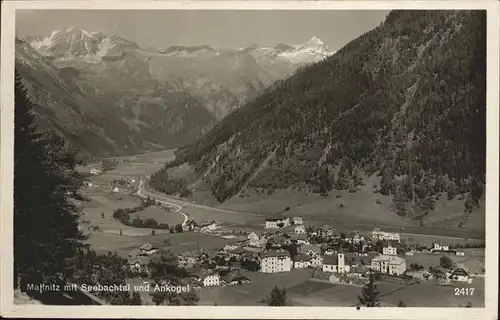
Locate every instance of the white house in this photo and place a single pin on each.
(355, 239)
(302, 261)
(276, 223)
(329, 252)
(210, 280)
(440, 247)
(313, 251)
(460, 275)
(275, 261)
(256, 241)
(148, 248)
(138, 264)
(299, 238)
(460, 253)
(325, 231)
(392, 265)
(300, 229)
(230, 246)
(382, 235)
(297, 221)
(115, 189)
(335, 263)
(95, 172)
(187, 259)
(208, 227)
(390, 251)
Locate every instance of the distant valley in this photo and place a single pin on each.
(108, 96)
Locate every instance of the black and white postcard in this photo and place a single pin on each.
(253, 159)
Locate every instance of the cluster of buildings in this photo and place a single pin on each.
(340, 257)
(138, 259)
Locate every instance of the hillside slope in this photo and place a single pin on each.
(124, 120)
(404, 102)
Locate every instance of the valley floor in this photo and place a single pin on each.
(239, 218)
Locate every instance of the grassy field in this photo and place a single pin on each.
(429, 294)
(349, 209)
(251, 294)
(427, 240)
(172, 217)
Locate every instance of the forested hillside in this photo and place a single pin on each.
(405, 101)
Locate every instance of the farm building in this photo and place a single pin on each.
(382, 235)
(95, 172)
(390, 251)
(438, 272)
(138, 264)
(358, 272)
(297, 221)
(300, 229)
(440, 247)
(392, 265)
(302, 261)
(299, 239)
(205, 277)
(276, 241)
(149, 248)
(355, 239)
(187, 259)
(256, 241)
(329, 252)
(275, 261)
(325, 231)
(460, 275)
(230, 246)
(276, 223)
(232, 277)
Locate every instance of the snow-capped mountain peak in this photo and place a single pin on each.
(75, 42)
(316, 45)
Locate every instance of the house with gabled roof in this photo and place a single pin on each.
(232, 277)
(299, 239)
(460, 275)
(149, 248)
(302, 261)
(204, 277)
(275, 261)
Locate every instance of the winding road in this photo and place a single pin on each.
(143, 193)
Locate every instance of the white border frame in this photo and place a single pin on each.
(8, 309)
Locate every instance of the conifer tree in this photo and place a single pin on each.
(276, 298)
(369, 293)
(46, 234)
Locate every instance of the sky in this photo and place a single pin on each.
(216, 28)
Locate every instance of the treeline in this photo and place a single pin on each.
(405, 100)
(48, 246)
(163, 182)
(165, 269)
(123, 215)
(92, 269)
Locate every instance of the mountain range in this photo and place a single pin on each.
(108, 96)
(397, 115)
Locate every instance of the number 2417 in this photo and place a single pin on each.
(464, 291)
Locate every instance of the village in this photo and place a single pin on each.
(287, 245)
(287, 251)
